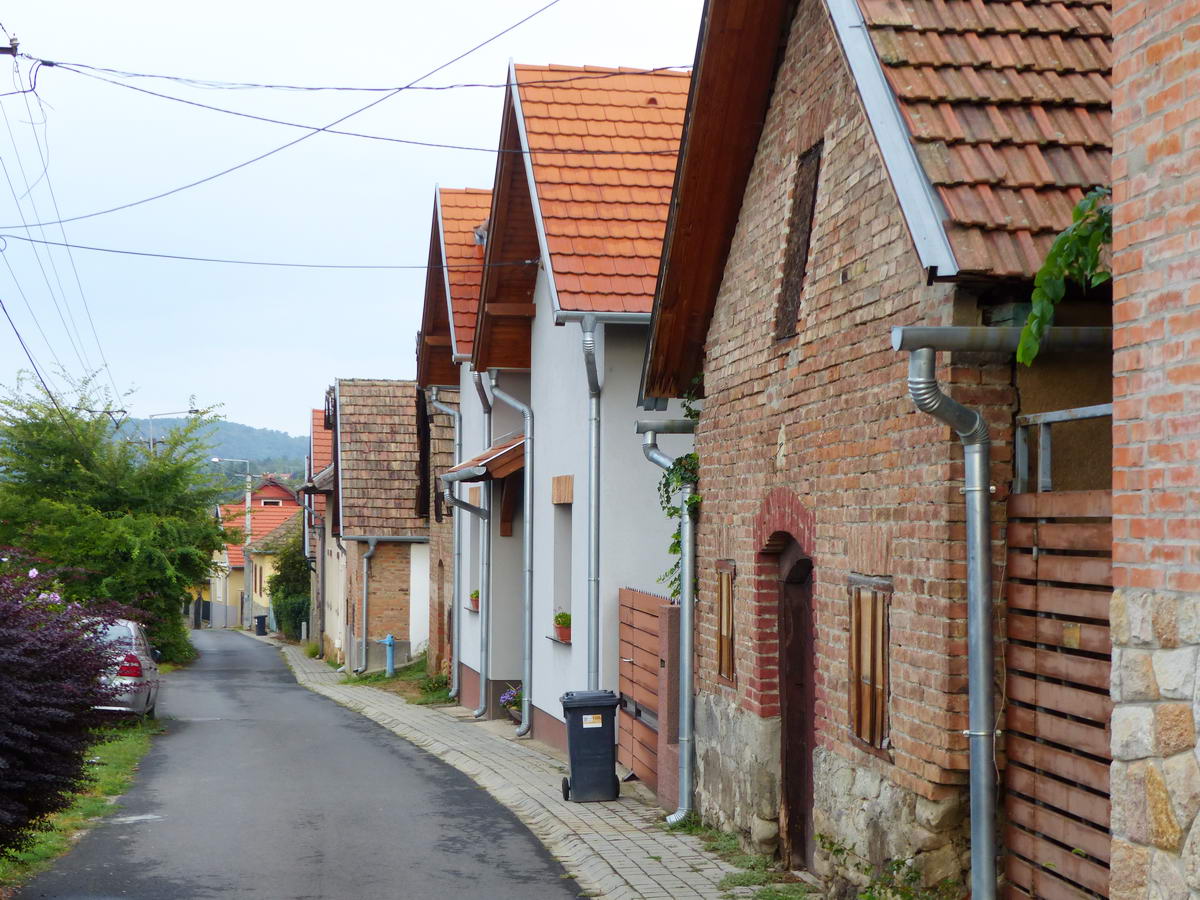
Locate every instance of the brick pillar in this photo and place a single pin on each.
(1156, 448)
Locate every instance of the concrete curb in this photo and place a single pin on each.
(614, 850)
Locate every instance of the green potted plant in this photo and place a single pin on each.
(562, 626)
(473, 600)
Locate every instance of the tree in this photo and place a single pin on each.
(51, 659)
(136, 528)
(289, 586)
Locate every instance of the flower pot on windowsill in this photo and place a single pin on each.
(562, 633)
(473, 603)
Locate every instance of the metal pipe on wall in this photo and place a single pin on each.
(485, 557)
(456, 617)
(687, 598)
(527, 532)
(587, 327)
(366, 580)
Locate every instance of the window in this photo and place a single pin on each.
(795, 260)
(562, 557)
(870, 600)
(725, 629)
(271, 502)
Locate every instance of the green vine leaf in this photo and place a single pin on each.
(1076, 255)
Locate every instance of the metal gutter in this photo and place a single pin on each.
(922, 208)
(687, 601)
(526, 412)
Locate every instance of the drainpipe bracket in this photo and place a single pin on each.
(968, 733)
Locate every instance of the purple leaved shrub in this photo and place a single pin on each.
(51, 660)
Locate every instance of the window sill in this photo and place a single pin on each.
(471, 609)
(555, 640)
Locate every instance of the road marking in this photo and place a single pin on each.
(129, 820)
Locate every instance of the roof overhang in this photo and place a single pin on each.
(435, 341)
(497, 462)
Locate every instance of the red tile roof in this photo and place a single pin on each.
(463, 210)
(263, 520)
(604, 212)
(1009, 106)
(320, 444)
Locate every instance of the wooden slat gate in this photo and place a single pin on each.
(1059, 577)
(637, 747)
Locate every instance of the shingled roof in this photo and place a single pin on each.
(463, 211)
(377, 457)
(604, 212)
(1008, 104)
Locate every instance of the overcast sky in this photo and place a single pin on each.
(264, 342)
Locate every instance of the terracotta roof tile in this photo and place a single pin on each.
(263, 520)
(377, 472)
(320, 442)
(1009, 105)
(604, 212)
(463, 210)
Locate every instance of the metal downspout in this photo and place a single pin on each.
(366, 585)
(527, 533)
(981, 714)
(687, 598)
(485, 557)
(923, 344)
(588, 332)
(456, 623)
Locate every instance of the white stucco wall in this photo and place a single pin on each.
(418, 598)
(334, 591)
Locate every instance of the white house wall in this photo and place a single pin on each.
(334, 592)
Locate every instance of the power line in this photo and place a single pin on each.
(356, 134)
(252, 85)
(303, 137)
(256, 262)
(32, 314)
(44, 155)
(38, 373)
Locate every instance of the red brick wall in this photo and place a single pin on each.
(388, 597)
(1156, 445)
(441, 540)
(815, 435)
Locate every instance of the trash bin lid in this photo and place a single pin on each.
(574, 699)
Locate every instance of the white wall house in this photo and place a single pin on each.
(569, 235)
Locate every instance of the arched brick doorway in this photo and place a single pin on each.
(785, 661)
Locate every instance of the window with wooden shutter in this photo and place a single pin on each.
(725, 630)
(870, 600)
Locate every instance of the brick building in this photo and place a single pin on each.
(848, 168)
(1156, 480)
(376, 560)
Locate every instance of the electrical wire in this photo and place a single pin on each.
(303, 137)
(38, 373)
(44, 155)
(358, 134)
(258, 262)
(251, 85)
(32, 314)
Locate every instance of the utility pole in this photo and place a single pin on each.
(152, 417)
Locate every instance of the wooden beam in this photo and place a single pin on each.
(562, 489)
(508, 505)
(511, 310)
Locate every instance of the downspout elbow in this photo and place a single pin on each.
(651, 451)
(588, 328)
(929, 398)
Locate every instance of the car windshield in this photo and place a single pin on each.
(119, 634)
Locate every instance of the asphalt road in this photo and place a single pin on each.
(260, 788)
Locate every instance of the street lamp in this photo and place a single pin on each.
(178, 412)
(246, 542)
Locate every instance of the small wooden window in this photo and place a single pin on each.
(272, 502)
(725, 629)
(870, 601)
(795, 260)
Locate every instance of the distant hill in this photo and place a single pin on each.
(268, 450)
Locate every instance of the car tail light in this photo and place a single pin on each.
(131, 667)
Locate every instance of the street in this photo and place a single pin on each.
(260, 788)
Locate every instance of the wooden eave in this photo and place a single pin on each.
(504, 327)
(435, 363)
(736, 59)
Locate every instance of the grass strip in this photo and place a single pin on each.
(116, 752)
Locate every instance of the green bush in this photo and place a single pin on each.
(290, 610)
(312, 650)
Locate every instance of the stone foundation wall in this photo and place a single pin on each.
(1155, 778)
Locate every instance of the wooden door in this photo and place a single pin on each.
(797, 694)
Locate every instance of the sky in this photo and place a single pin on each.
(260, 344)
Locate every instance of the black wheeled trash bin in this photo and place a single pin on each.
(591, 746)
(260, 624)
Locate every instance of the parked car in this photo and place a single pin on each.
(135, 668)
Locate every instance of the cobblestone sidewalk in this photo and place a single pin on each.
(615, 850)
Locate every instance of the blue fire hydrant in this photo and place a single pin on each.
(390, 643)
